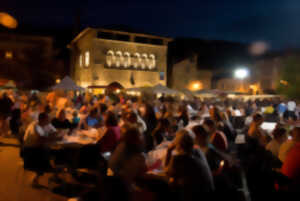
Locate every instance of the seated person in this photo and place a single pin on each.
(92, 120)
(35, 153)
(61, 122)
(279, 137)
(291, 165)
(255, 130)
(112, 133)
(217, 138)
(128, 160)
(187, 169)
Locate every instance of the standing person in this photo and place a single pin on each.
(5, 111)
(148, 115)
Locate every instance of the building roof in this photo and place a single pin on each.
(117, 30)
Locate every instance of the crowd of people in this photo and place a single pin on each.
(161, 149)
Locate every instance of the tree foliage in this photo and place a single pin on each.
(289, 82)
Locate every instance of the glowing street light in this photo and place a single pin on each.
(241, 73)
(8, 21)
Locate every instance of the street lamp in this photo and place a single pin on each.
(8, 21)
(241, 74)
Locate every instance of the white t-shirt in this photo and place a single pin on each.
(34, 131)
(291, 106)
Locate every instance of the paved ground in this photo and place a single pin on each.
(14, 182)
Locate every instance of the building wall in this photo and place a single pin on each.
(99, 72)
(186, 73)
(267, 72)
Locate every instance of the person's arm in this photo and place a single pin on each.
(169, 154)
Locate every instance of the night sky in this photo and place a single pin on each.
(276, 22)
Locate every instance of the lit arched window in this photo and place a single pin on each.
(87, 58)
(80, 60)
(144, 61)
(110, 58)
(137, 60)
(152, 61)
(119, 58)
(127, 60)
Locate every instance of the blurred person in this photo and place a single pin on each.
(288, 144)
(161, 132)
(291, 164)
(183, 115)
(60, 121)
(217, 138)
(148, 115)
(35, 152)
(187, 169)
(112, 133)
(93, 120)
(128, 160)
(279, 137)
(255, 131)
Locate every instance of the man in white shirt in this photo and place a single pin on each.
(38, 132)
(35, 153)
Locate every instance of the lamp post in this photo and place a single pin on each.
(241, 74)
(8, 21)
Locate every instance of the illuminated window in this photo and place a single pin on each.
(136, 60)
(110, 58)
(119, 58)
(8, 55)
(144, 61)
(87, 58)
(152, 62)
(127, 60)
(80, 60)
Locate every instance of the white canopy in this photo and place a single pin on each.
(164, 90)
(67, 84)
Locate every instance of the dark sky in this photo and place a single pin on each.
(277, 22)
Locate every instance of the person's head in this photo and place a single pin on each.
(258, 119)
(61, 115)
(184, 142)
(103, 108)
(296, 134)
(43, 119)
(280, 135)
(215, 114)
(210, 125)
(75, 114)
(93, 113)
(163, 124)
(133, 138)
(110, 119)
(47, 109)
(131, 117)
(202, 136)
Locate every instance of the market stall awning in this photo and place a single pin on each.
(67, 84)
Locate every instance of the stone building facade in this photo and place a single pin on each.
(186, 74)
(100, 57)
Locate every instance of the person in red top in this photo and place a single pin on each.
(112, 133)
(217, 138)
(291, 165)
